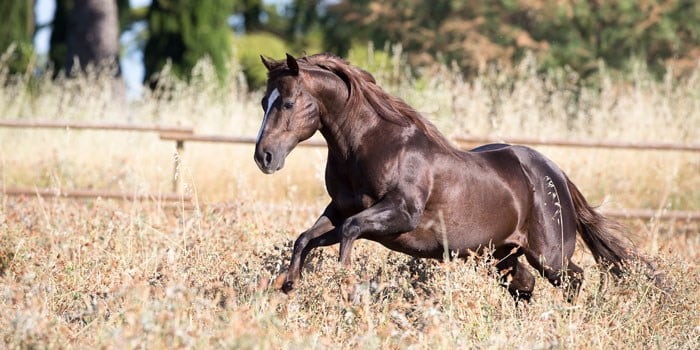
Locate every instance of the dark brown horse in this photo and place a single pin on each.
(394, 179)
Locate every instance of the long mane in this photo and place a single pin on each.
(365, 91)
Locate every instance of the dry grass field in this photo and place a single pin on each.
(101, 273)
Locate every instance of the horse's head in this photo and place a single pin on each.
(291, 114)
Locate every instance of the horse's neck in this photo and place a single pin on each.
(342, 126)
(350, 131)
(346, 126)
(342, 135)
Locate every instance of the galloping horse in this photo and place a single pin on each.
(394, 179)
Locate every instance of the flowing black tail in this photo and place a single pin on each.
(605, 238)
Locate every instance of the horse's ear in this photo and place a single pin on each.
(292, 64)
(268, 62)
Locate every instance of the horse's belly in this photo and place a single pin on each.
(461, 234)
(419, 243)
(471, 230)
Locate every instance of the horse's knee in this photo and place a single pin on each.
(301, 242)
(350, 229)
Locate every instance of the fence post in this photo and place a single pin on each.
(179, 150)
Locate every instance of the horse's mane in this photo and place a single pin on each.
(363, 86)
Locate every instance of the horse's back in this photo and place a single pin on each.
(489, 147)
(532, 162)
(536, 167)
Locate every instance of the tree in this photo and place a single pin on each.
(304, 18)
(560, 33)
(657, 32)
(85, 32)
(251, 10)
(58, 51)
(454, 30)
(185, 31)
(94, 34)
(17, 28)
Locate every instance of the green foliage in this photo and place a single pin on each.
(185, 31)
(560, 33)
(571, 35)
(17, 28)
(579, 33)
(248, 49)
(251, 10)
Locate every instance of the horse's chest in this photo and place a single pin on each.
(354, 190)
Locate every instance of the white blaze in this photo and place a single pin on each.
(270, 101)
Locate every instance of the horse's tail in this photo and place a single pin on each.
(604, 239)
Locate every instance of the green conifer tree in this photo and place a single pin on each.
(185, 31)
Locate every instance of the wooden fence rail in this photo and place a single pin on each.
(679, 215)
(84, 193)
(227, 139)
(658, 146)
(82, 125)
(180, 139)
(470, 140)
(181, 135)
(79, 125)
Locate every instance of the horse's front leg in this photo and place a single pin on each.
(397, 212)
(322, 233)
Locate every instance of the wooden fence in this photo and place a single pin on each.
(467, 141)
(78, 125)
(180, 135)
(87, 193)
(90, 193)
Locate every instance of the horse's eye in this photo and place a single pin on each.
(288, 105)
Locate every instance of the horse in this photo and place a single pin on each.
(393, 178)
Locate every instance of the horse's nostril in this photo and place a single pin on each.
(268, 159)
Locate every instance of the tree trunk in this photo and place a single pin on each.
(93, 35)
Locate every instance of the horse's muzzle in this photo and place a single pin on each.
(269, 161)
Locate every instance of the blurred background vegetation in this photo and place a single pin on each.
(578, 36)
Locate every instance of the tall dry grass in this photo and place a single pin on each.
(99, 273)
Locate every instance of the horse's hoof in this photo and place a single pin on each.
(287, 287)
(523, 296)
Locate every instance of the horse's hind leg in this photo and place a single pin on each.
(513, 275)
(560, 273)
(549, 251)
(552, 234)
